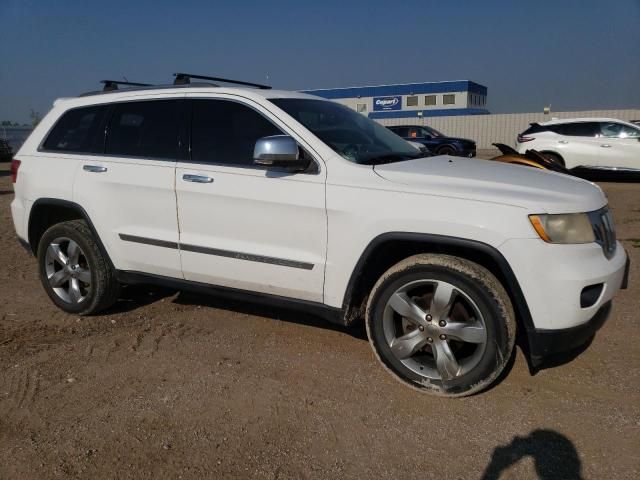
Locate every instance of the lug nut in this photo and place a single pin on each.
(443, 337)
(442, 323)
(428, 318)
(429, 339)
(421, 328)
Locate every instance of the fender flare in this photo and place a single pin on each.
(512, 286)
(56, 202)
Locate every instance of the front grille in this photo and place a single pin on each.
(604, 230)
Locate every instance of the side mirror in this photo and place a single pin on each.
(277, 151)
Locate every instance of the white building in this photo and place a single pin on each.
(407, 100)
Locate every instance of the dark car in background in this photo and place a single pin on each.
(436, 142)
(6, 153)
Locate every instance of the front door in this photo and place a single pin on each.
(619, 146)
(242, 226)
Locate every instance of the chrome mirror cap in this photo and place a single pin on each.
(275, 150)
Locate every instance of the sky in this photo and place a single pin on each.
(570, 54)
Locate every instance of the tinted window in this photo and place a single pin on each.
(618, 130)
(448, 99)
(430, 100)
(578, 129)
(402, 131)
(145, 129)
(78, 130)
(534, 128)
(226, 132)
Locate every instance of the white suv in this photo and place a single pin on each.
(586, 143)
(287, 198)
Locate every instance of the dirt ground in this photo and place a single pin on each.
(177, 385)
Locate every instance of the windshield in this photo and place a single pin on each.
(433, 132)
(348, 133)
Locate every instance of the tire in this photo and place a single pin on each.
(554, 157)
(446, 150)
(468, 306)
(86, 283)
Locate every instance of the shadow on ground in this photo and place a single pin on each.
(283, 313)
(136, 296)
(554, 456)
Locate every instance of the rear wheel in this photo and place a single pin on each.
(73, 271)
(441, 324)
(554, 157)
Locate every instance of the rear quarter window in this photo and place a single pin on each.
(78, 130)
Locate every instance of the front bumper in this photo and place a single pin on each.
(546, 343)
(567, 325)
(553, 278)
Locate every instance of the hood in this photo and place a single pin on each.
(539, 191)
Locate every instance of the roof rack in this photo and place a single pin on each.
(185, 78)
(110, 85)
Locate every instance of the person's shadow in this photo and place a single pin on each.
(554, 455)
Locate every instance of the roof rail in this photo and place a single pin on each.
(110, 85)
(185, 78)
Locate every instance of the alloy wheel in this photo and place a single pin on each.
(435, 329)
(67, 270)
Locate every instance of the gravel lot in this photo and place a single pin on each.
(177, 385)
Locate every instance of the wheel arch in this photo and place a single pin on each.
(46, 212)
(556, 154)
(451, 146)
(388, 249)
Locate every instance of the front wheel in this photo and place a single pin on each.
(441, 324)
(73, 271)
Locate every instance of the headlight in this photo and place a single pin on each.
(564, 228)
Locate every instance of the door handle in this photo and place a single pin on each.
(563, 142)
(196, 178)
(94, 168)
(605, 145)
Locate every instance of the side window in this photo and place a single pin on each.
(402, 131)
(578, 129)
(145, 129)
(79, 131)
(430, 100)
(226, 132)
(448, 99)
(618, 130)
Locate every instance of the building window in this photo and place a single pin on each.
(430, 100)
(361, 108)
(448, 99)
(412, 101)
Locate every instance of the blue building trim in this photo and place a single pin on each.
(400, 89)
(444, 112)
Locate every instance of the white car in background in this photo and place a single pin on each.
(591, 143)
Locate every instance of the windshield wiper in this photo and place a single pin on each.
(390, 158)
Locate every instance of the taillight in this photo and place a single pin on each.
(15, 165)
(522, 138)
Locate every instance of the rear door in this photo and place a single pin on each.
(128, 188)
(242, 226)
(620, 146)
(578, 143)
